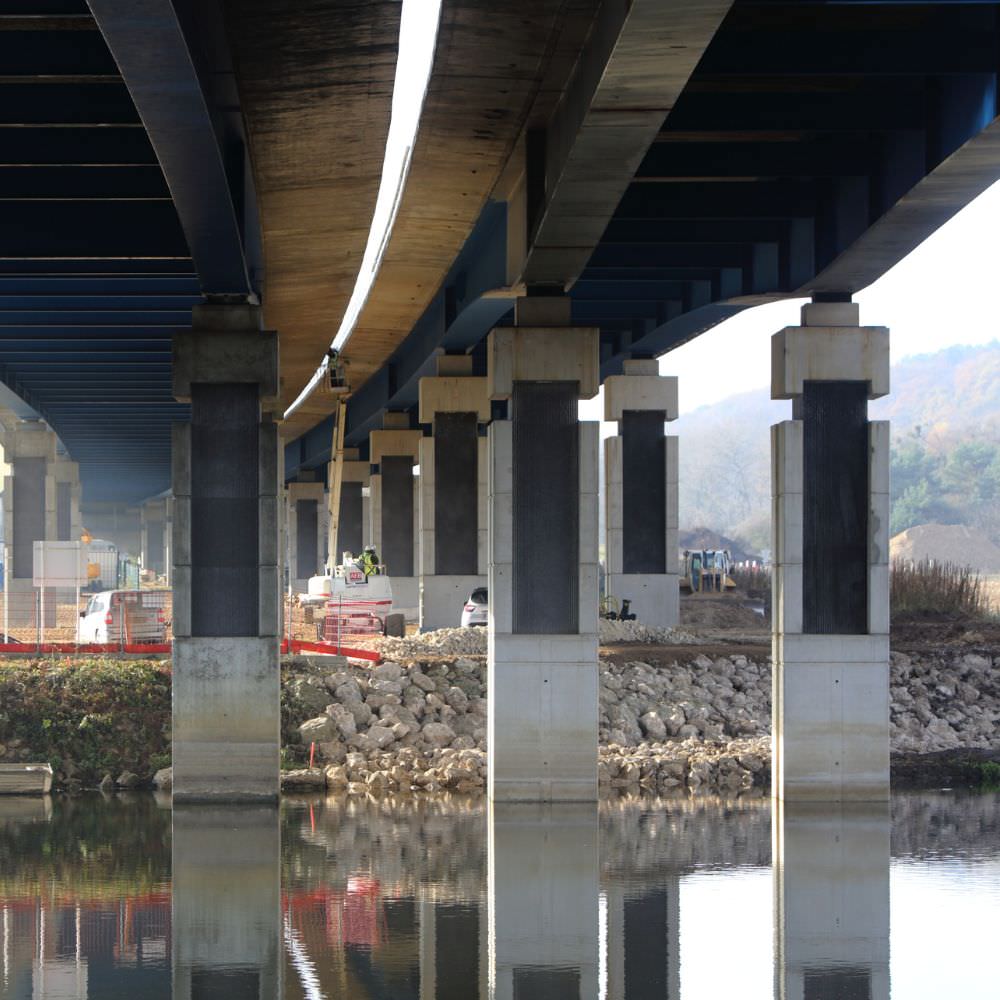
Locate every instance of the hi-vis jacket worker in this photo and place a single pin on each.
(369, 562)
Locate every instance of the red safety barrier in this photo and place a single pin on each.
(302, 646)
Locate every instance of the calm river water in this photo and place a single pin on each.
(442, 899)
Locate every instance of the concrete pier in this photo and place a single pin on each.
(542, 666)
(154, 539)
(69, 523)
(354, 530)
(226, 588)
(452, 491)
(831, 900)
(640, 470)
(830, 471)
(307, 516)
(31, 513)
(394, 451)
(226, 913)
(543, 901)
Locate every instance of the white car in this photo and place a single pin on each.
(476, 610)
(124, 615)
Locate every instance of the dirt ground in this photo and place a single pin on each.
(728, 612)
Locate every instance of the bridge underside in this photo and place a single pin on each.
(577, 205)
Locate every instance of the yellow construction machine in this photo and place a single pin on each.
(706, 571)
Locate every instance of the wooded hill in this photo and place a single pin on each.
(945, 411)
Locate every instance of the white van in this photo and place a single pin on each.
(124, 616)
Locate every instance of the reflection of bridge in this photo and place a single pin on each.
(591, 185)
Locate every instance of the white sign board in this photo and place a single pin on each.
(59, 564)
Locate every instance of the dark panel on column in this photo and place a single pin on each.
(546, 462)
(397, 514)
(306, 538)
(542, 983)
(835, 508)
(154, 545)
(224, 516)
(849, 983)
(456, 494)
(644, 492)
(646, 952)
(456, 962)
(234, 984)
(350, 537)
(64, 512)
(29, 513)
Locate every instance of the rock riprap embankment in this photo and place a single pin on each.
(694, 722)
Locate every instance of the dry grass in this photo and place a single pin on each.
(992, 586)
(928, 588)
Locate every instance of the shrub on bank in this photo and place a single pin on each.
(86, 717)
(928, 588)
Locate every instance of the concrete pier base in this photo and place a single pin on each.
(226, 730)
(442, 599)
(542, 718)
(654, 598)
(831, 900)
(543, 902)
(226, 915)
(406, 596)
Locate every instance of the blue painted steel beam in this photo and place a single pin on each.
(154, 59)
(106, 267)
(98, 181)
(58, 145)
(67, 104)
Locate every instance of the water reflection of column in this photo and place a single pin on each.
(226, 903)
(831, 902)
(543, 902)
(642, 932)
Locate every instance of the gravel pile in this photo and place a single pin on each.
(472, 641)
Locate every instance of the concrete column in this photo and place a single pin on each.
(640, 470)
(30, 514)
(226, 913)
(830, 472)
(453, 491)
(831, 900)
(154, 542)
(69, 524)
(227, 614)
(394, 451)
(354, 529)
(307, 525)
(543, 901)
(542, 666)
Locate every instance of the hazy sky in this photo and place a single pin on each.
(941, 294)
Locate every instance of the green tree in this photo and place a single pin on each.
(972, 472)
